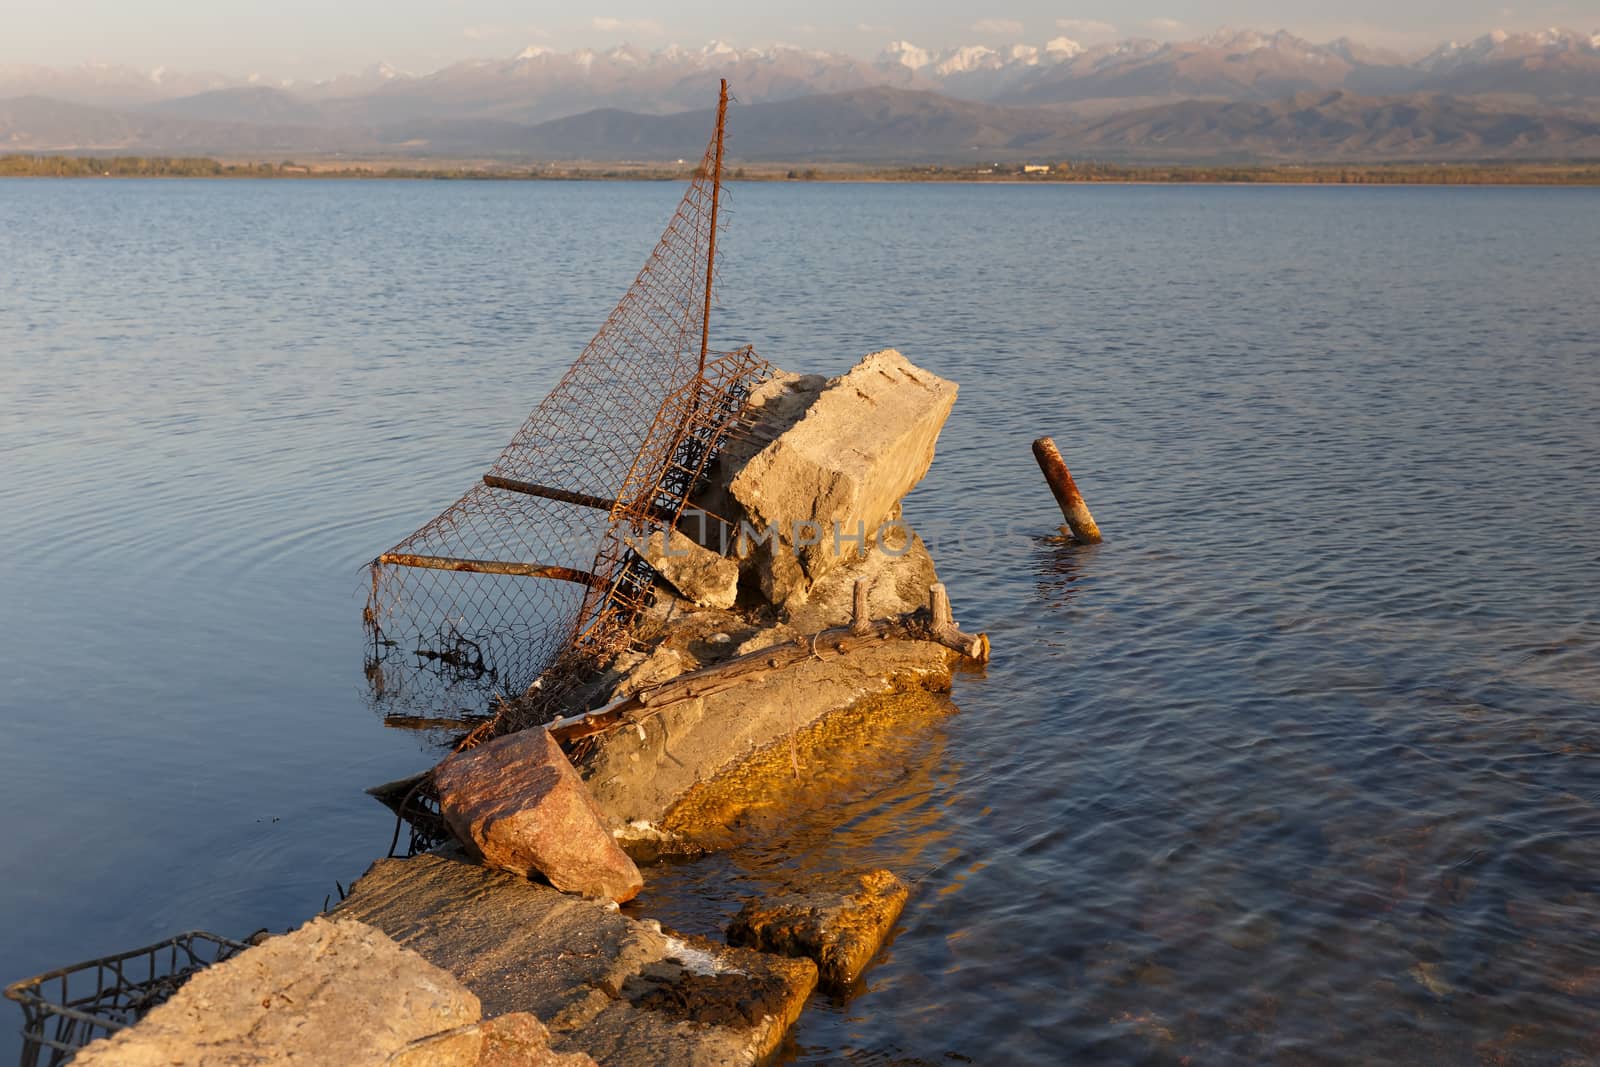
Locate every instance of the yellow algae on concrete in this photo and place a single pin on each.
(838, 755)
(841, 931)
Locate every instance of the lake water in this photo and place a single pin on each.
(1301, 766)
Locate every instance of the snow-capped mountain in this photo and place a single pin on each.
(490, 98)
(1552, 64)
(1499, 45)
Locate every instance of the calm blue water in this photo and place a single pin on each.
(1301, 766)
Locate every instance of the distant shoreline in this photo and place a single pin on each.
(1075, 173)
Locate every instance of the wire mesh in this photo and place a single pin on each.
(533, 562)
(66, 1009)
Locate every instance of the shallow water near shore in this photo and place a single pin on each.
(1301, 766)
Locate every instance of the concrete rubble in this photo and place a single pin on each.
(707, 578)
(520, 805)
(330, 992)
(837, 454)
(828, 482)
(466, 957)
(841, 930)
(639, 774)
(615, 988)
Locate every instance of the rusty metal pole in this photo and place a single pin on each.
(711, 254)
(1080, 523)
(490, 566)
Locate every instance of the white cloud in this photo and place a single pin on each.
(1164, 25)
(608, 24)
(1004, 27)
(1086, 29)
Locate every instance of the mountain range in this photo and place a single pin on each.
(1234, 94)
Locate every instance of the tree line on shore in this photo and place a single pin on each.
(1568, 173)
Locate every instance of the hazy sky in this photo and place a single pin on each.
(317, 38)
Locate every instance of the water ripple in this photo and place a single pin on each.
(1301, 766)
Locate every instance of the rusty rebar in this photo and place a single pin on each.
(489, 566)
(548, 492)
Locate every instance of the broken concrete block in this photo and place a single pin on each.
(520, 804)
(773, 568)
(699, 574)
(333, 991)
(841, 931)
(622, 991)
(772, 408)
(864, 441)
(702, 1003)
(515, 1040)
(641, 773)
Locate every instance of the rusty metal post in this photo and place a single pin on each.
(489, 566)
(1080, 523)
(711, 254)
(549, 492)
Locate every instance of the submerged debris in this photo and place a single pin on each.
(840, 930)
(621, 990)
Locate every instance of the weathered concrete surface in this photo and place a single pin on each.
(772, 408)
(638, 670)
(882, 742)
(705, 577)
(900, 572)
(840, 929)
(515, 1040)
(619, 990)
(703, 1004)
(864, 441)
(333, 991)
(638, 774)
(520, 804)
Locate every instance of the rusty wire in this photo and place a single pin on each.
(65, 1009)
(531, 565)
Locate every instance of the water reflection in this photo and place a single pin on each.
(1059, 563)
